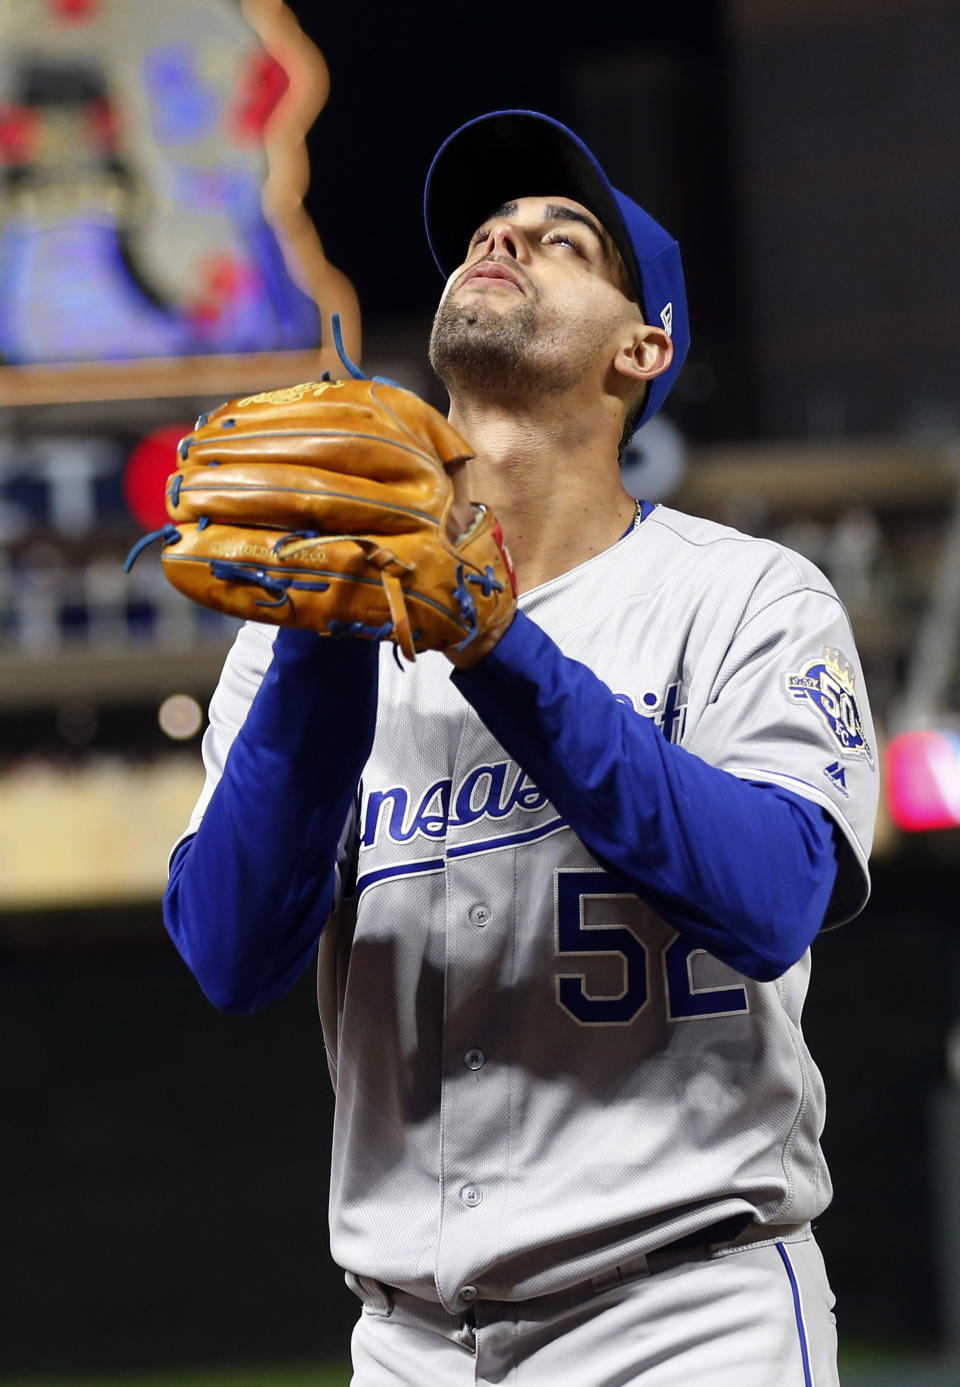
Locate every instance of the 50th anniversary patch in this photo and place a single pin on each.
(827, 685)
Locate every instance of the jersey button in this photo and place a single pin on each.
(468, 1292)
(479, 915)
(470, 1195)
(474, 1059)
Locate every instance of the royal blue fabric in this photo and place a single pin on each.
(249, 893)
(744, 870)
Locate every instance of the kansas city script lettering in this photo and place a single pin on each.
(483, 794)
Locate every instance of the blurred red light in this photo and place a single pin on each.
(146, 473)
(923, 780)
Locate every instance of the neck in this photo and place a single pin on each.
(551, 477)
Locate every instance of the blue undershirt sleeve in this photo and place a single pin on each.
(744, 870)
(250, 892)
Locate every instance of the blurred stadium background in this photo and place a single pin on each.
(162, 1167)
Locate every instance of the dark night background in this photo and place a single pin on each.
(164, 1192)
(804, 154)
(420, 72)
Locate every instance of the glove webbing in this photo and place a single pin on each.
(391, 568)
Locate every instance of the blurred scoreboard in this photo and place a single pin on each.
(155, 259)
(151, 174)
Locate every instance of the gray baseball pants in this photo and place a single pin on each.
(759, 1316)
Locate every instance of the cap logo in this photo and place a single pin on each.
(666, 317)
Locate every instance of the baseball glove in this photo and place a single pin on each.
(329, 506)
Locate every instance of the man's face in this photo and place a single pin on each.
(535, 302)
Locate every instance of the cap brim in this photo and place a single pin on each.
(506, 155)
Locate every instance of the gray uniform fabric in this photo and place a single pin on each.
(507, 1126)
(762, 1317)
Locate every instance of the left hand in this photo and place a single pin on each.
(342, 507)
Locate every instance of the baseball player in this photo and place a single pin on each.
(564, 883)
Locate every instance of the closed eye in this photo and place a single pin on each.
(563, 238)
(552, 238)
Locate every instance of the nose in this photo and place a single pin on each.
(505, 237)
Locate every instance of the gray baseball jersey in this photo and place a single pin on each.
(536, 1078)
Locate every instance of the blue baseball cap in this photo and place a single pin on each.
(509, 154)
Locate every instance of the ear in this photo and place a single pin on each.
(644, 354)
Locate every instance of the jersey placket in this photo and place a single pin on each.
(475, 1079)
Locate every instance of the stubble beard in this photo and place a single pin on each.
(480, 352)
